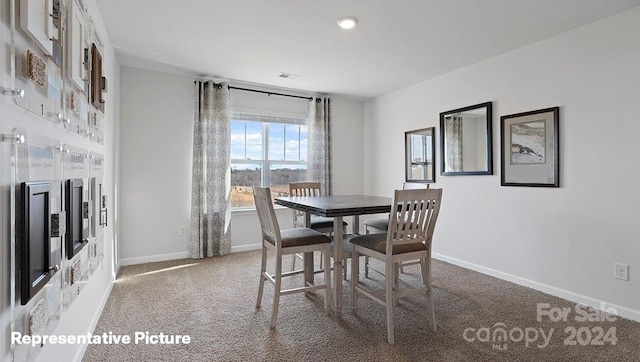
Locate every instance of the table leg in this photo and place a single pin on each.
(337, 264)
(356, 224)
(308, 257)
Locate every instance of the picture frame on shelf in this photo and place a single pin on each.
(529, 148)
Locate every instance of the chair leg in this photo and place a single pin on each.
(355, 275)
(366, 266)
(276, 292)
(293, 261)
(344, 270)
(327, 280)
(366, 257)
(426, 279)
(396, 276)
(389, 281)
(263, 269)
(396, 281)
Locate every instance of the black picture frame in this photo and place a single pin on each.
(76, 234)
(35, 240)
(529, 148)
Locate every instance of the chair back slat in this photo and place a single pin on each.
(304, 189)
(416, 216)
(299, 189)
(267, 215)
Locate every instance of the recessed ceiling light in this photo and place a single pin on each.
(348, 22)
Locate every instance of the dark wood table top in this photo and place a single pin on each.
(337, 205)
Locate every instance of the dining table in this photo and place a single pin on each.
(336, 207)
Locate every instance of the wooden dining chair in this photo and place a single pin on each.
(381, 225)
(318, 223)
(286, 242)
(408, 237)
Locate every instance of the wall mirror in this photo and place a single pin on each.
(419, 155)
(465, 141)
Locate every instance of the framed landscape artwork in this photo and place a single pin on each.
(529, 148)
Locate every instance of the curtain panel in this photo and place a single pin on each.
(211, 172)
(453, 146)
(319, 167)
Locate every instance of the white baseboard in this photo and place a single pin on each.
(180, 255)
(153, 258)
(561, 293)
(94, 321)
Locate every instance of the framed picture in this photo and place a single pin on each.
(96, 78)
(529, 148)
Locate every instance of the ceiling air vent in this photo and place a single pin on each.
(290, 76)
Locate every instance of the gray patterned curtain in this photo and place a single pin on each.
(320, 143)
(211, 175)
(453, 146)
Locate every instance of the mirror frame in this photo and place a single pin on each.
(489, 121)
(431, 176)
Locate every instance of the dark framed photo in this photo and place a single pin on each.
(529, 148)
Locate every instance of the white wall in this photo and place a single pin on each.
(348, 146)
(155, 169)
(156, 141)
(86, 309)
(563, 241)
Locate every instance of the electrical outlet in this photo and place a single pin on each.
(621, 271)
(182, 231)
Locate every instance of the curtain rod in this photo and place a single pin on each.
(270, 93)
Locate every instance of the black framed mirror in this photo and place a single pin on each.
(419, 156)
(466, 141)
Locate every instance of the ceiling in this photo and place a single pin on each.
(396, 43)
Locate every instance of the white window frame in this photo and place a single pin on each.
(267, 120)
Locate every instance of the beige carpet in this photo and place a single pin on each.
(213, 302)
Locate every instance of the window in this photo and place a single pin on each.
(266, 151)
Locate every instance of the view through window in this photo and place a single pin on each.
(266, 151)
